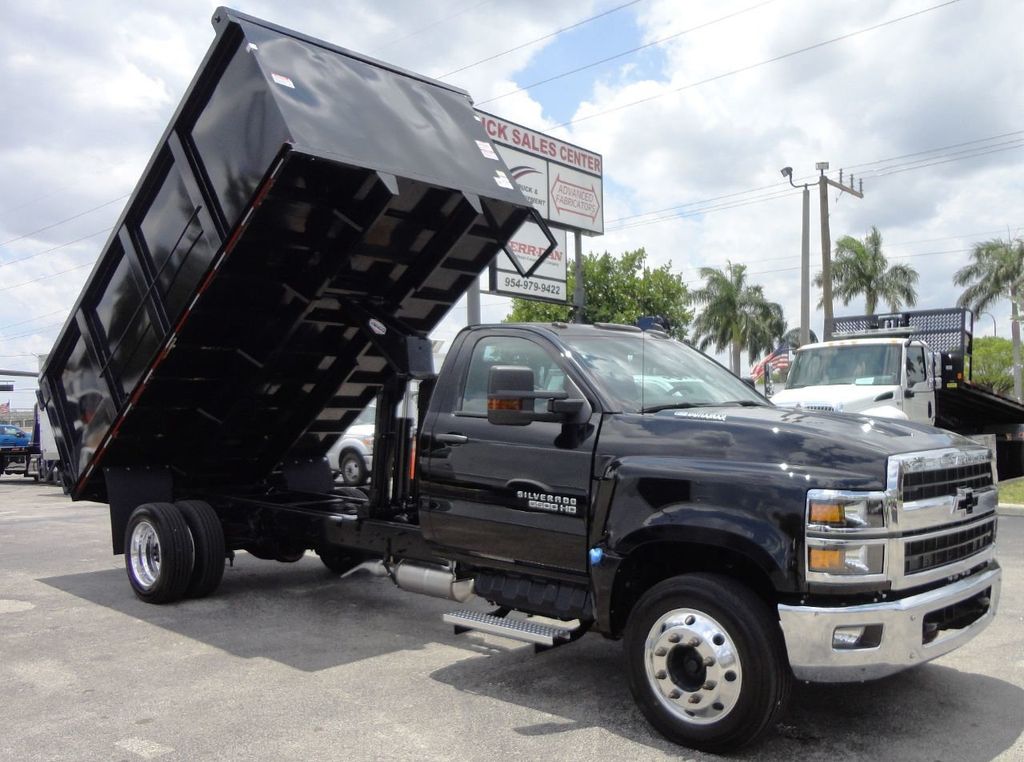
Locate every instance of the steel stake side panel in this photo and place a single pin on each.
(299, 191)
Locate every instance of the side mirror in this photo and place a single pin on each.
(511, 399)
(908, 393)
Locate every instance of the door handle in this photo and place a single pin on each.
(451, 438)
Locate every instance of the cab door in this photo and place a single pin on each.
(510, 493)
(919, 403)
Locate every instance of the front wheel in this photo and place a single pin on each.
(706, 662)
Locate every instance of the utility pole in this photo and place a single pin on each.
(805, 262)
(826, 234)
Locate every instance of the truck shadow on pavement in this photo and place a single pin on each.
(297, 614)
(302, 616)
(929, 713)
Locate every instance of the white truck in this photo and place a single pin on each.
(910, 366)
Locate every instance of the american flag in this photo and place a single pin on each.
(5, 409)
(779, 360)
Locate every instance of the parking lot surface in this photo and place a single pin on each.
(286, 661)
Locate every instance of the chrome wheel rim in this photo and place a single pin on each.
(145, 554)
(693, 667)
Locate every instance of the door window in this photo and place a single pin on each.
(916, 369)
(510, 350)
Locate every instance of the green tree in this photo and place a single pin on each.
(996, 271)
(618, 290)
(859, 268)
(735, 316)
(992, 363)
(792, 337)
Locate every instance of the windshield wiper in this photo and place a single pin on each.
(683, 405)
(673, 406)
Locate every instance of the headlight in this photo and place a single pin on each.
(846, 558)
(367, 443)
(831, 510)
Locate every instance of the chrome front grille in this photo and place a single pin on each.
(935, 551)
(921, 485)
(942, 511)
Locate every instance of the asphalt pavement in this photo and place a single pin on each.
(286, 661)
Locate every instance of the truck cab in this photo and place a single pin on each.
(884, 377)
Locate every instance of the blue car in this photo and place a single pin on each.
(12, 436)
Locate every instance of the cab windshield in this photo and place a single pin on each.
(649, 372)
(860, 364)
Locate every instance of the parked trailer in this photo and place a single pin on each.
(308, 217)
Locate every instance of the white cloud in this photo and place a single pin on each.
(90, 87)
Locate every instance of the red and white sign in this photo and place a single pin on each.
(574, 198)
(548, 283)
(572, 195)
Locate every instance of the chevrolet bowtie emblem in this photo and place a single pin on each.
(966, 500)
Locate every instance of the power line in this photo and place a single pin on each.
(56, 248)
(34, 331)
(624, 53)
(947, 161)
(29, 320)
(430, 26)
(703, 206)
(46, 277)
(752, 66)
(540, 39)
(66, 219)
(812, 176)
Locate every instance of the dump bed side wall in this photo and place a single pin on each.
(224, 322)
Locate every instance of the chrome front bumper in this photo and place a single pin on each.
(809, 632)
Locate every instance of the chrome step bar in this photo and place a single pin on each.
(523, 630)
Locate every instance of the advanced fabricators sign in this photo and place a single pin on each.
(563, 181)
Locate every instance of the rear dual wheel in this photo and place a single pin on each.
(174, 550)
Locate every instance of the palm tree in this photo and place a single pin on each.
(996, 271)
(860, 268)
(792, 337)
(735, 315)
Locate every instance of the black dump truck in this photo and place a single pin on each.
(307, 218)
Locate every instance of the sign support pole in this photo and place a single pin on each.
(473, 303)
(578, 296)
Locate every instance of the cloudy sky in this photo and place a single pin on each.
(695, 106)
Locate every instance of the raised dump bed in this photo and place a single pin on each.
(301, 194)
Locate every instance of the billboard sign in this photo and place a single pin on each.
(563, 181)
(565, 185)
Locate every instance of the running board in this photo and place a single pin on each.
(544, 635)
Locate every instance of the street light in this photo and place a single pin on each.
(994, 333)
(805, 261)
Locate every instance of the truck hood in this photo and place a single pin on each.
(828, 450)
(840, 397)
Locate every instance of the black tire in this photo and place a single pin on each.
(352, 466)
(340, 561)
(210, 549)
(158, 552)
(738, 696)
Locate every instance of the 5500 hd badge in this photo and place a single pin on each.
(542, 501)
